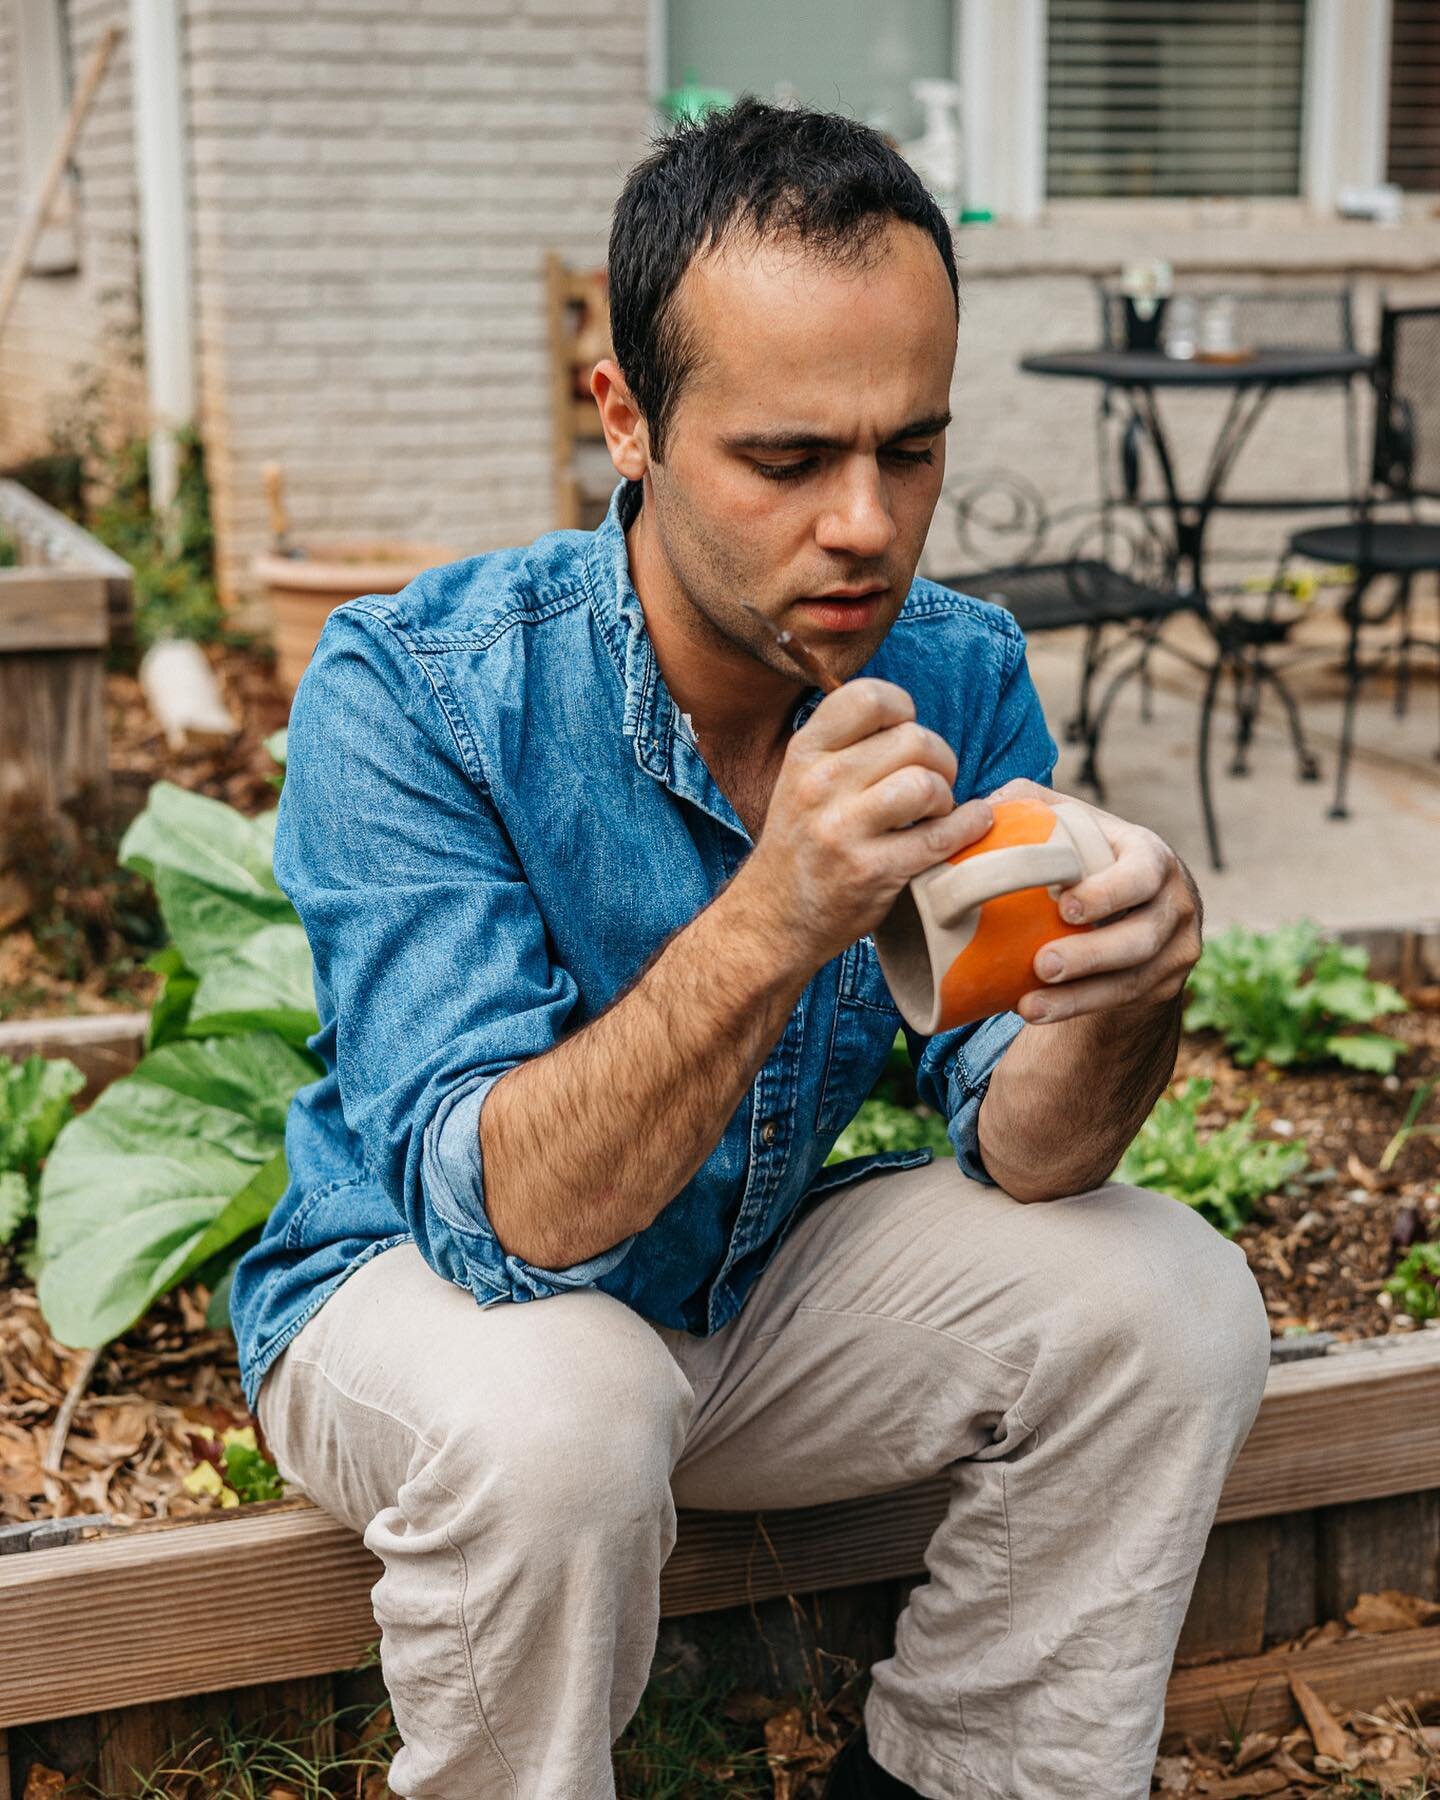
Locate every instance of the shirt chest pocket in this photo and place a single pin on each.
(866, 1020)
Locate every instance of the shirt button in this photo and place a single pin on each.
(769, 1131)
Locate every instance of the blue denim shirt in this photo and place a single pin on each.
(493, 816)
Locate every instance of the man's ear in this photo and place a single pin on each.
(626, 435)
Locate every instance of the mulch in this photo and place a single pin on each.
(1322, 1250)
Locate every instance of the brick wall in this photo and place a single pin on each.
(76, 332)
(374, 187)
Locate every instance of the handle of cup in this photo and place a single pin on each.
(967, 885)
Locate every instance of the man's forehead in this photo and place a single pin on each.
(791, 328)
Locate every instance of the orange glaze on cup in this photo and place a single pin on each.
(997, 967)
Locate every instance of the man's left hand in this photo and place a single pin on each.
(1143, 956)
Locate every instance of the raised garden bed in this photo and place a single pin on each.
(1336, 1493)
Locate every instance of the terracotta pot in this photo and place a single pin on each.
(304, 590)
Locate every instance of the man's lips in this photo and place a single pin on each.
(843, 611)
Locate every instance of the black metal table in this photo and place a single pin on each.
(1250, 379)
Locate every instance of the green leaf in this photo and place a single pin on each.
(1368, 1050)
(203, 838)
(244, 962)
(34, 1103)
(15, 1203)
(217, 1313)
(278, 745)
(881, 1125)
(1283, 996)
(170, 1011)
(1221, 1173)
(140, 1183)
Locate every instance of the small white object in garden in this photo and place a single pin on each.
(1282, 1128)
(183, 694)
(1309, 1221)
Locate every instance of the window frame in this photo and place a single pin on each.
(1001, 53)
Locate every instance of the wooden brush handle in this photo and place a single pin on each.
(274, 498)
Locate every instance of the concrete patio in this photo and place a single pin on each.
(1284, 858)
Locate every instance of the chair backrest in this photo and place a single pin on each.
(1265, 318)
(578, 315)
(1407, 404)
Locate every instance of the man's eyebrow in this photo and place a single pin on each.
(811, 440)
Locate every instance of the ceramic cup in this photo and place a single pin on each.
(960, 942)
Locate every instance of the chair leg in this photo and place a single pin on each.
(1077, 726)
(1354, 674)
(1307, 767)
(1247, 709)
(1207, 799)
(1090, 767)
(1402, 671)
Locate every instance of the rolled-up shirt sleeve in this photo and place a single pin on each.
(953, 1068)
(432, 962)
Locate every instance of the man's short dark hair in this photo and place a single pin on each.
(815, 178)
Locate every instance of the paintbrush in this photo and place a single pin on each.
(803, 657)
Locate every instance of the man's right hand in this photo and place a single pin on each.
(863, 802)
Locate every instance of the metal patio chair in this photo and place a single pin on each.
(1404, 470)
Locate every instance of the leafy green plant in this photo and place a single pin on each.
(35, 1101)
(1221, 1173)
(1291, 996)
(882, 1125)
(1409, 1128)
(1414, 1282)
(233, 1468)
(173, 558)
(182, 1160)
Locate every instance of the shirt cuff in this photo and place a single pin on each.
(969, 1080)
(453, 1174)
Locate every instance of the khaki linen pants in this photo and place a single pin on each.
(1085, 1370)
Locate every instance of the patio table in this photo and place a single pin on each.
(1251, 379)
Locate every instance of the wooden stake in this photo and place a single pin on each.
(34, 222)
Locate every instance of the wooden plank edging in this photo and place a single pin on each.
(1356, 1672)
(97, 1624)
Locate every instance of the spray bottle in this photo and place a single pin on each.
(937, 156)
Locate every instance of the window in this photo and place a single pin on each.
(1413, 158)
(847, 56)
(42, 98)
(1174, 98)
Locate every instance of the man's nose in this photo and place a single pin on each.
(857, 519)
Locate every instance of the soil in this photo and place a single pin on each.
(1322, 1250)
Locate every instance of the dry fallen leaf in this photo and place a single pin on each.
(1392, 1611)
(1254, 1748)
(1245, 1787)
(1328, 1734)
(1172, 1773)
(44, 1784)
(1287, 1765)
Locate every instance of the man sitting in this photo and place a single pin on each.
(588, 872)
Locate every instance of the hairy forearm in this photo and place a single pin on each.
(1066, 1099)
(584, 1145)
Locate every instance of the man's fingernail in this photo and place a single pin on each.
(1050, 966)
(1039, 1012)
(1071, 911)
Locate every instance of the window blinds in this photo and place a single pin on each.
(1414, 148)
(1174, 97)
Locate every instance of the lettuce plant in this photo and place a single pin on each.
(182, 1158)
(35, 1101)
(1291, 996)
(1414, 1282)
(1221, 1173)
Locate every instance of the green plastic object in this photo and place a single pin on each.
(977, 215)
(691, 101)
